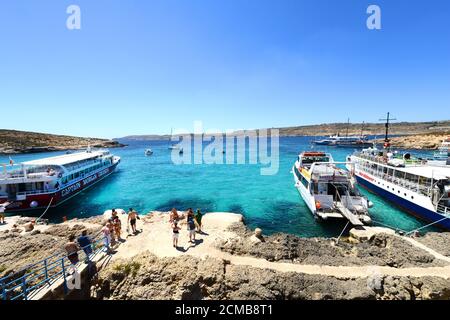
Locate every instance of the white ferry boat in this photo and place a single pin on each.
(442, 156)
(329, 191)
(418, 186)
(51, 181)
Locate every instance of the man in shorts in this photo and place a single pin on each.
(2, 212)
(72, 250)
(132, 216)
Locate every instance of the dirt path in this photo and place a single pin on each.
(156, 237)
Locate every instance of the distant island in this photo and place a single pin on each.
(15, 142)
(413, 135)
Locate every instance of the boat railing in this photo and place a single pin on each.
(407, 184)
(443, 209)
(23, 284)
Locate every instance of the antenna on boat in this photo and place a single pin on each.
(386, 137)
(348, 124)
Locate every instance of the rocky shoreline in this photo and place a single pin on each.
(229, 262)
(20, 142)
(418, 141)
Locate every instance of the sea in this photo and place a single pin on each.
(270, 202)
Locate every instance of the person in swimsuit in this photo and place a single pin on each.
(117, 227)
(112, 232)
(72, 250)
(107, 237)
(132, 216)
(175, 233)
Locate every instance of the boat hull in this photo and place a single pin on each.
(60, 196)
(408, 206)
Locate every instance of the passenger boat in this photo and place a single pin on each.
(329, 191)
(48, 182)
(328, 141)
(418, 186)
(347, 141)
(442, 156)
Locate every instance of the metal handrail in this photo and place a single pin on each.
(45, 267)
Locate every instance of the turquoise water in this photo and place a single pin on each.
(269, 202)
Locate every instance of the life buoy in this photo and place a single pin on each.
(318, 205)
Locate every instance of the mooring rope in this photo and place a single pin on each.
(49, 204)
(342, 232)
(428, 225)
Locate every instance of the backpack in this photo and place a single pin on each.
(191, 224)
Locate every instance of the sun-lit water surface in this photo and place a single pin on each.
(269, 202)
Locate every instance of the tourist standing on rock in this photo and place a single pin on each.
(72, 250)
(198, 219)
(85, 243)
(2, 212)
(117, 227)
(112, 232)
(191, 226)
(132, 216)
(113, 213)
(107, 237)
(175, 233)
(174, 215)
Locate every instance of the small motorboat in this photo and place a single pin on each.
(148, 152)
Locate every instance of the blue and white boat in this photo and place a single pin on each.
(419, 187)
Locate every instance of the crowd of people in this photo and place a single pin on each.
(111, 235)
(111, 232)
(193, 221)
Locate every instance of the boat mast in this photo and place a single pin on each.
(362, 130)
(386, 137)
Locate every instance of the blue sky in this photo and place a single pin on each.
(139, 67)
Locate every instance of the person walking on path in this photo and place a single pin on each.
(132, 217)
(85, 243)
(107, 237)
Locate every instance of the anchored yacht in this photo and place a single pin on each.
(329, 191)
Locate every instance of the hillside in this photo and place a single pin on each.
(400, 128)
(13, 141)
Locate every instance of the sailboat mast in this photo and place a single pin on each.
(386, 136)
